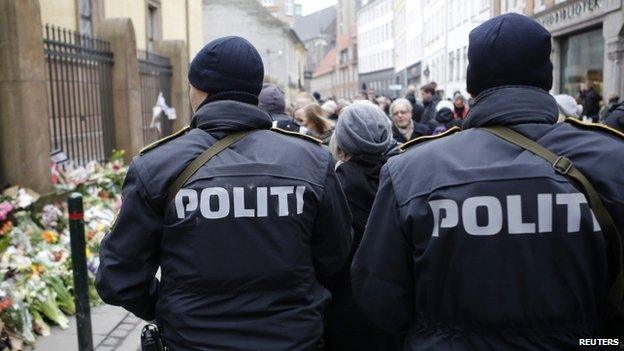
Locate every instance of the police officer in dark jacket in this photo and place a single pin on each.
(492, 248)
(247, 238)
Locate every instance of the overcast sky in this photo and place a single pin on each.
(310, 6)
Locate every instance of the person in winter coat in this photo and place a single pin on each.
(331, 110)
(384, 104)
(615, 118)
(362, 136)
(590, 99)
(342, 104)
(444, 117)
(403, 126)
(430, 101)
(417, 107)
(475, 243)
(613, 101)
(313, 118)
(298, 113)
(460, 106)
(246, 241)
(271, 99)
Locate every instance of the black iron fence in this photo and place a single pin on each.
(80, 100)
(155, 72)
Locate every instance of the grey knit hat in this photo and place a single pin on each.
(363, 129)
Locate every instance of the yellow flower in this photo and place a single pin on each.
(88, 253)
(49, 237)
(36, 269)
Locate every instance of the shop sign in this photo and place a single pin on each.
(574, 12)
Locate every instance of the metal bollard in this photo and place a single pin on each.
(79, 267)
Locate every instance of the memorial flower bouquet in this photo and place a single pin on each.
(36, 281)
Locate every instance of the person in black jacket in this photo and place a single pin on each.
(590, 99)
(615, 117)
(417, 108)
(474, 243)
(361, 137)
(430, 101)
(403, 126)
(271, 99)
(246, 240)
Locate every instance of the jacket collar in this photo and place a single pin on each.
(512, 105)
(230, 116)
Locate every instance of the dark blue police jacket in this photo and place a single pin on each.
(476, 244)
(243, 245)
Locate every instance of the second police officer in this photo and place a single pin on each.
(496, 248)
(243, 239)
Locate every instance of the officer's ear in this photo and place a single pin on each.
(196, 97)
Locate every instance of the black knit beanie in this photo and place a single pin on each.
(509, 49)
(228, 64)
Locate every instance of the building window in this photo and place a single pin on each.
(85, 19)
(539, 6)
(152, 27)
(344, 56)
(267, 2)
(452, 65)
(464, 71)
(289, 8)
(485, 4)
(582, 59)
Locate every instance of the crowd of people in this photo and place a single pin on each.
(362, 135)
(480, 240)
(427, 114)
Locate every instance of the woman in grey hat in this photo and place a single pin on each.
(362, 136)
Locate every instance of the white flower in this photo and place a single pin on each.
(45, 258)
(23, 199)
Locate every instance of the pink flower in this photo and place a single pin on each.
(5, 208)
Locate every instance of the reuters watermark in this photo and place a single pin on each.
(600, 342)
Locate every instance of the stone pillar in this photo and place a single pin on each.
(615, 58)
(24, 126)
(613, 54)
(178, 55)
(126, 84)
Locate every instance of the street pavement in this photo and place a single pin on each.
(113, 329)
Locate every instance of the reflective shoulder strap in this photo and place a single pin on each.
(196, 164)
(564, 166)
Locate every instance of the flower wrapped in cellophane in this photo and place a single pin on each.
(36, 280)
